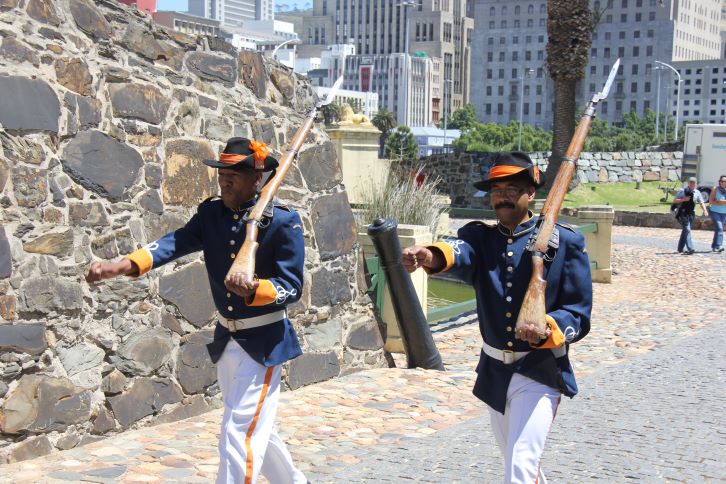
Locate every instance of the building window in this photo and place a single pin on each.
(636, 51)
(501, 56)
(633, 87)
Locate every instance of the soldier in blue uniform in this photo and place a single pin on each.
(519, 376)
(253, 336)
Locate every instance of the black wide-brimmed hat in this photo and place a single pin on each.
(509, 165)
(244, 154)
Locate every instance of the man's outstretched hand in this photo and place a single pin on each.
(416, 256)
(108, 270)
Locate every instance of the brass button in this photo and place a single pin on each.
(235, 216)
(510, 268)
(509, 328)
(229, 294)
(509, 298)
(509, 315)
(509, 241)
(231, 242)
(510, 344)
(232, 255)
(510, 253)
(509, 284)
(229, 308)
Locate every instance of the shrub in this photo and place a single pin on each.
(406, 197)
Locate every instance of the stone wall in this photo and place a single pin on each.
(104, 119)
(458, 172)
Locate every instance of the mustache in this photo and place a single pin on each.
(503, 205)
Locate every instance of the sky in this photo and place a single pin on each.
(181, 5)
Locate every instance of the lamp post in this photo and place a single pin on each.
(657, 107)
(446, 82)
(525, 73)
(678, 95)
(274, 52)
(405, 4)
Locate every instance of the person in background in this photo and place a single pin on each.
(717, 204)
(686, 200)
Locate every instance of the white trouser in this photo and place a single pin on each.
(522, 430)
(248, 442)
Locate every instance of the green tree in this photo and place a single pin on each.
(569, 31)
(494, 137)
(401, 145)
(463, 119)
(385, 121)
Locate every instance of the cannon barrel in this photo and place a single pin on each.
(418, 343)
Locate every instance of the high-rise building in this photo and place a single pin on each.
(402, 82)
(509, 74)
(439, 28)
(233, 12)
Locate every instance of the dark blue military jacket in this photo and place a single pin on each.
(220, 232)
(494, 261)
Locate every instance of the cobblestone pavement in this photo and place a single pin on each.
(639, 371)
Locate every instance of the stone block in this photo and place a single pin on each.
(312, 368)
(188, 289)
(147, 396)
(145, 351)
(323, 335)
(23, 338)
(102, 164)
(44, 404)
(334, 225)
(195, 370)
(364, 335)
(28, 105)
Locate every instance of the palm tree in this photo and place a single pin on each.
(569, 31)
(385, 121)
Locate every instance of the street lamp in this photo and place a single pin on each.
(446, 82)
(525, 73)
(657, 106)
(678, 95)
(405, 4)
(274, 52)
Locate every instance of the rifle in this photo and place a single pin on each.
(533, 307)
(244, 263)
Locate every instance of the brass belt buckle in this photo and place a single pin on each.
(507, 357)
(232, 325)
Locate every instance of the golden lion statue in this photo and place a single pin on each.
(348, 117)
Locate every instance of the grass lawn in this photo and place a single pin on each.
(623, 196)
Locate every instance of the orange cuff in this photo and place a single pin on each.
(142, 258)
(447, 251)
(264, 295)
(557, 338)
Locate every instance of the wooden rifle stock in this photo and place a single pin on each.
(533, 306)
(244, 262)
(533, 309)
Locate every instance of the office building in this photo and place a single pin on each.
(509, 74)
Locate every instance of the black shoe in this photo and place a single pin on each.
(689, 252)
(720, 249)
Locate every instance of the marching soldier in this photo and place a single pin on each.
(253, 336)
(519, 376)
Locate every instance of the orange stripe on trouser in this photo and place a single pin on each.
(251, 429)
